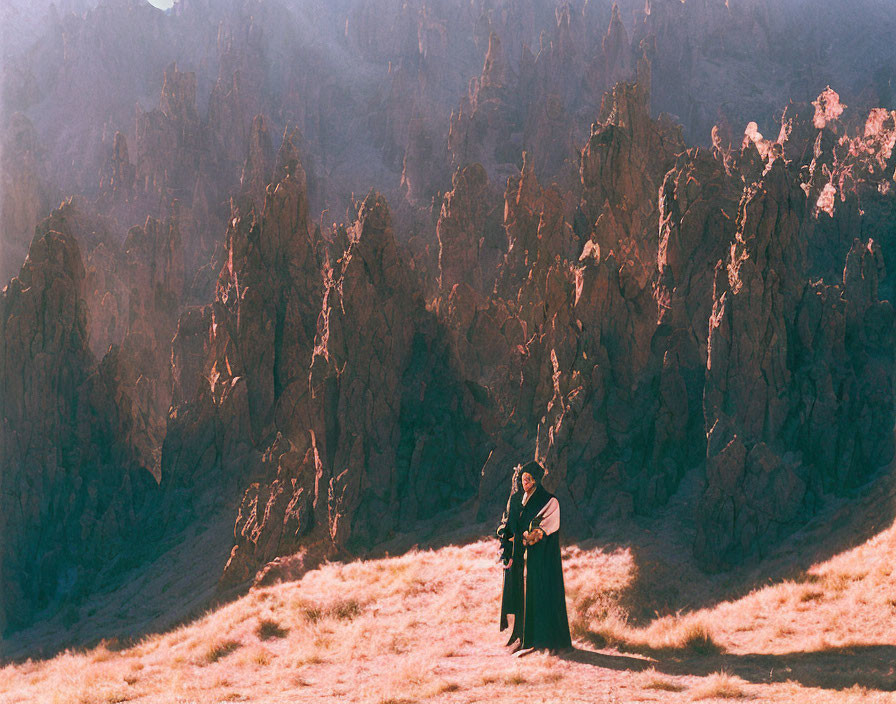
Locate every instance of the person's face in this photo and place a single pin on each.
(528, 482)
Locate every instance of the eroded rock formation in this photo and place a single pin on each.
(619, 306)
(789, 409)
(24, 192)
(379, 433)
(73, 491)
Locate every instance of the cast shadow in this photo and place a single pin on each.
(669, 580)
(869, 666)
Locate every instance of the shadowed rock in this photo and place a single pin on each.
(72, 491)
(789, 415)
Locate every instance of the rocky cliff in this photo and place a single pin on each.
(549, 267)
(25, 197)
(73, 489)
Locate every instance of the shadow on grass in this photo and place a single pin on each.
(668, 579)
(607, 661)
(869, 666)
(177, 586)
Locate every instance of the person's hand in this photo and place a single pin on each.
(526, 537)
(509, 563)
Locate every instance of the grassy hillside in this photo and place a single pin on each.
(422, 627)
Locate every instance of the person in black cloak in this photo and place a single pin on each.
(533, 578)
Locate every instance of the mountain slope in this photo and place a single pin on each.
(422, 627)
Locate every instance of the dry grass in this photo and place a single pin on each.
(340, 609)
(268, 629)
(652, 679)
(690, 634)
(220, 650)
(422, 627)
(601, 619)
(719, 685)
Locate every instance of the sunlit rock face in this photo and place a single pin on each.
(540, 98)
(620, 428)
(133, 290)
(799, 333)
(563, 272)
(709, 339)
(238, 358)
(664, 320)
(570, 344)
(319, 378)
(469, 233)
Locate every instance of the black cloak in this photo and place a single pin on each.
(512, 595)
(533, 585)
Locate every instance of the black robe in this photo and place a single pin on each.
(511, 536)
(533, 586)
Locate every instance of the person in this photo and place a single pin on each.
(533, 577)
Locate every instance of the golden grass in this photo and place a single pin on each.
(605, 624)
(690, 634)
(811, 594)
(446, 687)
(339, 609)
(220, 650)
(257, 656)
(719, 685)
(422, 627)
(651, 679)
(516, 679)
(269, 629)
(602, 602)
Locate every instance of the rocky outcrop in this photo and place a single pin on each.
(227, 121)
(240, 383)
(106, 287)
(423, 166)
(622, 167)
(261, 331)
(155, 273)
(259, 162)
(177, 173)
(698, 205)
(607, 301)
(609, 423)
(398, 443)
(617, 50)
(24, 193)
(72, 492)
(168, 138)
(133, 290)
(851, 184)
(786, 360)
(389, 439)
(487, 126)
(469, 233)
(119, 175)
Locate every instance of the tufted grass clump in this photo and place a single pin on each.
(268, 629)
(220, 650)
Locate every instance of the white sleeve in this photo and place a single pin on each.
(550, 517)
